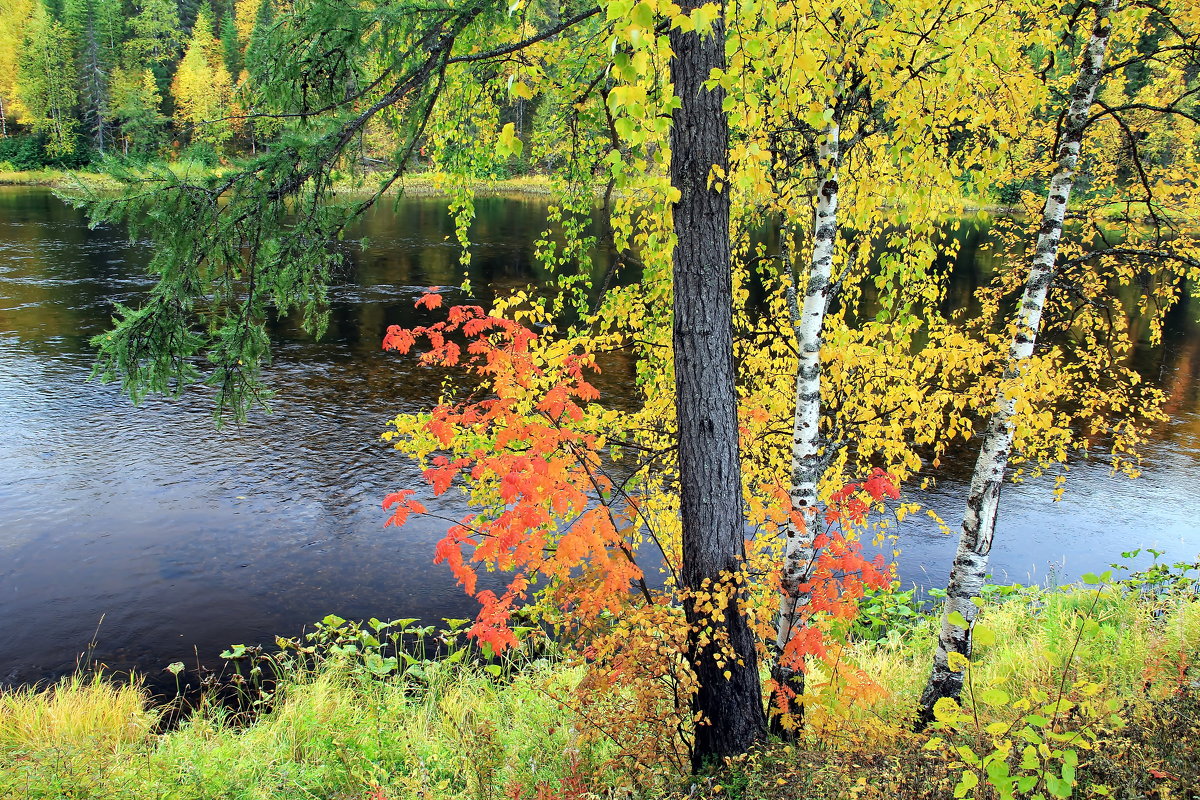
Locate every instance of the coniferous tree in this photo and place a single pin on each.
(728, 700)
(110, 31)
(156, 35)
(257, 47)
(255, 60)
(136, 105)
(230, 48)
(80, 17)
(45, 81)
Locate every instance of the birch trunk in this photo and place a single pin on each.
(979, 522)
(721, 649)
(807, 459)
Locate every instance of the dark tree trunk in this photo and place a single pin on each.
(722, 650)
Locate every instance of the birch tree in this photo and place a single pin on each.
(1054, 265)
(136, 109)
(13, 18)
(841, 83)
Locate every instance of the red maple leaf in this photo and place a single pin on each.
(431, 299)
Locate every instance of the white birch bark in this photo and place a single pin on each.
(979, 522)
(807, 463)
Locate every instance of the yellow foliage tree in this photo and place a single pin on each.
(14, 14)
(202, 87)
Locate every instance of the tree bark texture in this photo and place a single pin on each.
(799, 554)
(721, 645)
(979, 522)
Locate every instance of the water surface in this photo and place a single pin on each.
(166, 539)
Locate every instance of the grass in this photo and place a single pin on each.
(56, 178)
(335, 733)
(435, 184)
(79, 713)
(456, 729)
(419, 184)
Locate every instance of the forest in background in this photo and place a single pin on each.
(152, 80)
(160, 79)
(183, 80)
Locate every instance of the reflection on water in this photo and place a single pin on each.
(184, 539)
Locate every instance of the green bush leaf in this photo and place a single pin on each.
(968, 782)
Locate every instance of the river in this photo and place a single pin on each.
(160, 538)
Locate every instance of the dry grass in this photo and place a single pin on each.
(78, 713)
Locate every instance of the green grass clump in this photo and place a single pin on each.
(335, 733)
(1109, 635)
(78, 713)
(347, 719)
(57, 178)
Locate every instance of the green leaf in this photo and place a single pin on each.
(1058, 787)
(624, 127)
(968, 782)
(998, 772)
(956, 619)
(704, 17)
(643, 16)
(509, 143)
(982, 636)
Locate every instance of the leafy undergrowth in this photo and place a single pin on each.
(1106, 673)
(1154, 755)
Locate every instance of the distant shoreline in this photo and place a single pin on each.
(422, 184)
(418, 184)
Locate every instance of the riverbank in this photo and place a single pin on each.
(57, 179)
(420, 184)
(1083, 687)
(417, 184)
